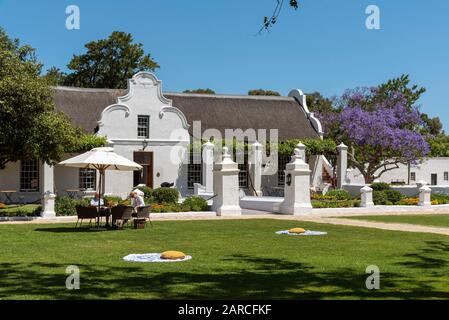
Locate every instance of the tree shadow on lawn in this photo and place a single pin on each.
(422, 260)
(73, 229)
(256, 277)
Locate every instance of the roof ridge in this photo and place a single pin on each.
(67, 88)
(228, 96)
(181, 94)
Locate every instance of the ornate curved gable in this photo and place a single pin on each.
(144, 97)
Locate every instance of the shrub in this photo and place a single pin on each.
(393, 196)
(408, 202)
(381, 198)
(335, 204)
(2, 205)
(111, 201)
(126, 202)
(440, 198)
(380, 186)
(65, 206)
(165, 195)
(196, 203)
(146, 190)
(339, 194)
(28, 210)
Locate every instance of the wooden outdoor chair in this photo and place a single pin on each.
(122, 214)
(143, 214)
(85, 213)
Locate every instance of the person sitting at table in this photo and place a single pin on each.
(94, 200)
(136, 201)
(97, 201)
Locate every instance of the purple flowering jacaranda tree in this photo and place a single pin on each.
(381, 132)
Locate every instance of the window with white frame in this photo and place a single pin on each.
(29, 176)
(87, 179)
(446, 176)
(413, 176)
(143, 127)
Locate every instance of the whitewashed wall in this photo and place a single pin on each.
(423, 171)
(169, 137)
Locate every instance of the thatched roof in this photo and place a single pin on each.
(84, 107)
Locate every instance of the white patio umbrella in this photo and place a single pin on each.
(101, 159)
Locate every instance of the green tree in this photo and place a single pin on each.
(318, 103)
(55, 76)
(29, 126)
(432, 126)
(109, 63)
(200, 91)
(262, 92)
(439, 146)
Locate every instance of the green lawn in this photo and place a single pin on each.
(232, 259)
(440, 220)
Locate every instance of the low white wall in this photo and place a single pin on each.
(408, 191)
(353, 189)
(269, 204)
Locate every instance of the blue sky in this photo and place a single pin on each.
(324, 46)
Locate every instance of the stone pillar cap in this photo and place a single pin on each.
(342, 146)
(366, 189)
(256, 144)
(300, 146)
(208, 143)
(425, 188)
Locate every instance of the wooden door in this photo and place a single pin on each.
(144, 176)
(434, 179)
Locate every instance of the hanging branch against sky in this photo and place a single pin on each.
(268, 22)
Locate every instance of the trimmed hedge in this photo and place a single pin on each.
(195, 203)
(65, 206)
(339, 194)
(380, 186)
(28, 210)
(165, 195)
(335, 203)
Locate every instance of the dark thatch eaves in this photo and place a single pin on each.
(84, 107)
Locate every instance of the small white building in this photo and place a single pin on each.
(435, 171)
(155, 129)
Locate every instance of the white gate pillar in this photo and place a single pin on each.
(226, 186)
(424, 196)
(342, 165)
(48, 199)
(255, 170)
(366, 197)
(208, 166)
(297, 186)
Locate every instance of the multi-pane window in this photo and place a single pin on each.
(87, 179)
(29, 176)
(243, 175)
(143, 127)
(282, 163)
(446, 176)
(194, 169)
(413, 176)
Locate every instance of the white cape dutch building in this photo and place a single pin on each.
(155, 129)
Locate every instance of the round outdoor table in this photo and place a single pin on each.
(8, 194)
